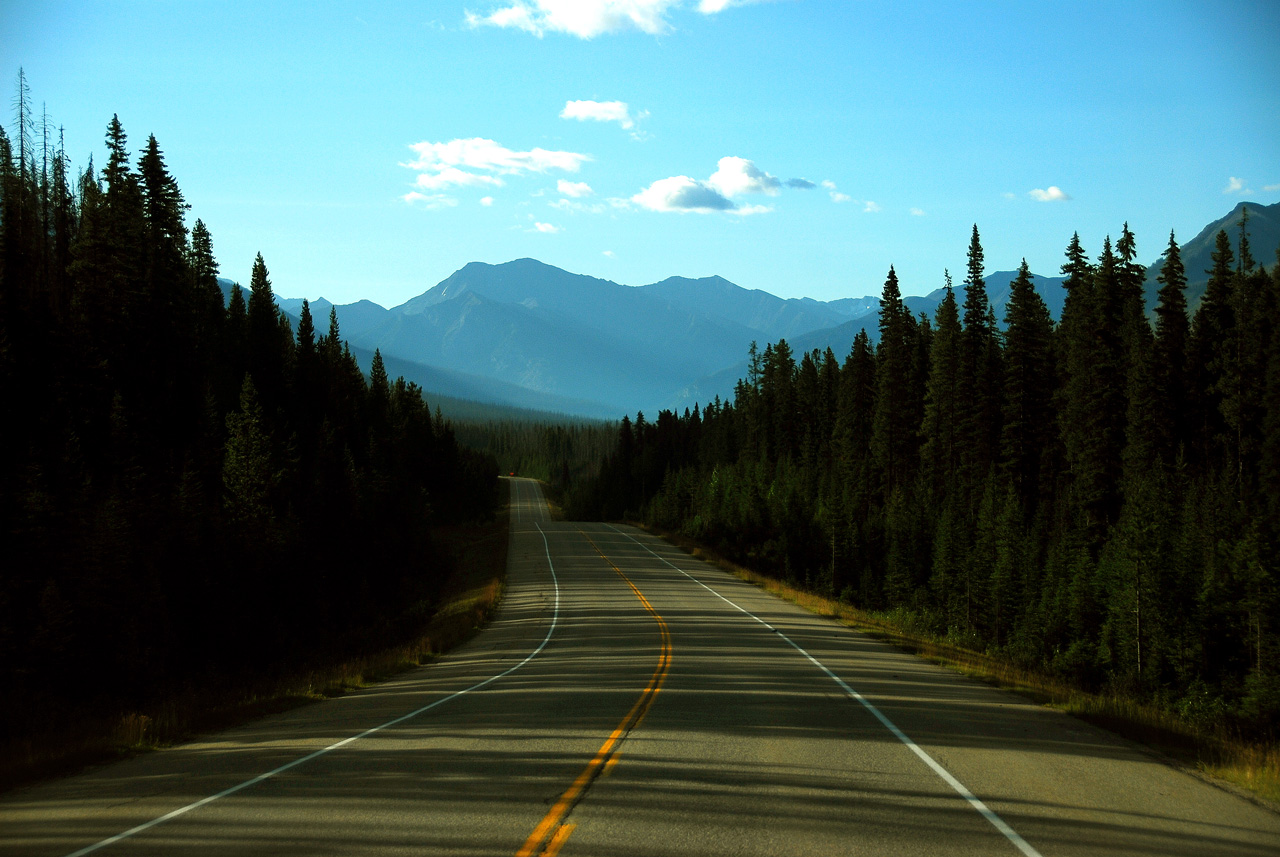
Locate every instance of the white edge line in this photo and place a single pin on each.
(555, 615)
(959, 787)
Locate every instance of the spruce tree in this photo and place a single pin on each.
(1213, 362)
(943, 406)
(1028, 388)
(979, 381)
(264, 343)
(894, 430)
(1170, 356)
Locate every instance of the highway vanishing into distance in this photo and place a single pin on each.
(631, 700)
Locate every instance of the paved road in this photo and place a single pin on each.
(628, 700)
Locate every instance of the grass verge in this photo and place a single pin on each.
(478, 554)
(1252, 767)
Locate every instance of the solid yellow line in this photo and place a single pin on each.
(557, 841)
(552, 826)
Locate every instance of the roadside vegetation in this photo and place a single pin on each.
(1094, 503)
(476, 554)
(1205, 745)
(201, 498)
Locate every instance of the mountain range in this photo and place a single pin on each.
(529, 335)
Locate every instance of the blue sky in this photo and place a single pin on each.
(801, 147)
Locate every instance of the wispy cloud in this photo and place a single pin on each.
(917, 212)
(479, 153)
(602, 111)
(432, 200)
(801, 184)
(609, 253)
(449, 176)
(1051, 194)
(477, 161)
(836, 196)
(486, 201)
(711, 7)
(587, 19)
(870, 207)
(576, 190)
(578, 207)
(546, 228)
(1270, 187)
(1235, 185)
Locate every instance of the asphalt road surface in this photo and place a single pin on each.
(630, 700)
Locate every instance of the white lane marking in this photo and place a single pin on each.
(998, 822)
(555, 615)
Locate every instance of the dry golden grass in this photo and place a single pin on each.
(479, 555)
(1251, 766)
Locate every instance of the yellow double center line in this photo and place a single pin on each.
(552, 831)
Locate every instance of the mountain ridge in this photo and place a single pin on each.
(514, 331)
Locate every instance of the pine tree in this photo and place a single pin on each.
(943, 405)
(1213, 361)
(1170, 356)
(1028, 388)
(979, 376)
(894, 430)
(249, 478)
(264, 345)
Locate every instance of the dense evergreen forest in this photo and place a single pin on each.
(1098, 498)
(559, 453)
(190, 491)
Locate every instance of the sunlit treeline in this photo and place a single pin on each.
(1099, 498)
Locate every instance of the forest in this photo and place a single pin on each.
(1097, 499)
(193, 491)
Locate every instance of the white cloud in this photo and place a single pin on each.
(870, 207)
(1009, 195)
(434, 200)
(585, 19)
(454, 176)
(609, 253)
(733, 177)
(736, 176)
(711, 7)
(477, 153)
(547, 228)
(1235, 185)
(599, 111)
(577, 190)
(1052, 194)
(836, 196)
(578, 207)
(476, 161)
(486, 201)
(917, 212)
(681, 193)
(1271, 187)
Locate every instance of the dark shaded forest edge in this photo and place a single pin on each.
(1094, 504)
(206, 512)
